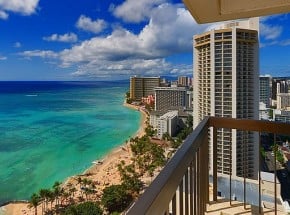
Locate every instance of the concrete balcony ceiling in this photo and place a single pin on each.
(205, 11)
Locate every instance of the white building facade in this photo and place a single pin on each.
(167, 124)
(226, 80)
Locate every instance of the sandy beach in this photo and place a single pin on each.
(103, 173)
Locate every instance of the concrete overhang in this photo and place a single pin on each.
(205, 11)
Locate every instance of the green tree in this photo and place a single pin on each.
(57, 190)
(130, 178)
(85, 208)
(147, 155)
(50, 197)
(128, 94)
(34, 202)
(263, 153)
(189, 121)
(43, 194)
(116, 198)
(150, 131)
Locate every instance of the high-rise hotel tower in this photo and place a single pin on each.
(226, 84)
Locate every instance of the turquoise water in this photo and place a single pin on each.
(56, 129)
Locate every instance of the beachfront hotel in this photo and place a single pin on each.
(143, 86)
(172, 98)
(225, 80)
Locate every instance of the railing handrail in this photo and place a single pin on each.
(156, 197)
(250, 125)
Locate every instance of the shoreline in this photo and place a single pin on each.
(103, 174)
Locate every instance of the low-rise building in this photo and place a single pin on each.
(263, 111)
(281, 116)
(283, 101)
(167, 123)
(154, 116)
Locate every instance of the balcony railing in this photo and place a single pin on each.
(183, 186)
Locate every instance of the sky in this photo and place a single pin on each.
(101, 40)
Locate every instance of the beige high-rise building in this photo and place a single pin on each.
(143, 86)
(226, 80)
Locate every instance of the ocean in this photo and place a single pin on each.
(52, 130)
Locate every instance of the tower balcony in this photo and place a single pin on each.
(190, 182)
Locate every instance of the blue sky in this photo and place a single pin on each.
(98, 39)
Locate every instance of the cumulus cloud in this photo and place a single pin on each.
(169, 31)
(39, 53)
(87, 24)
(3, 15)
(67, 38)
(270, 32)
(24, 7)
(122, 68)
(135, 11)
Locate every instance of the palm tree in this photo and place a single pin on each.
(34, 202)
(65, 196)
(50, 197)
(43, 198)
(57, 191)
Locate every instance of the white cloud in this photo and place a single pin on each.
(169, 31)
(67, 38)
(270, 32)
(25, 7)
(3, 15)
(87, 24)
(129, 67)
(285, 42)
(39, 53)
(17, 45)
(122, 68)
(136, 11)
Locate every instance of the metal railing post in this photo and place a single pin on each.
(259, 174)
(214, 162)
(191, 188)
(275, 174)
(186, 192)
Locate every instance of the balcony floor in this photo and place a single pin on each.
(222, 206)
